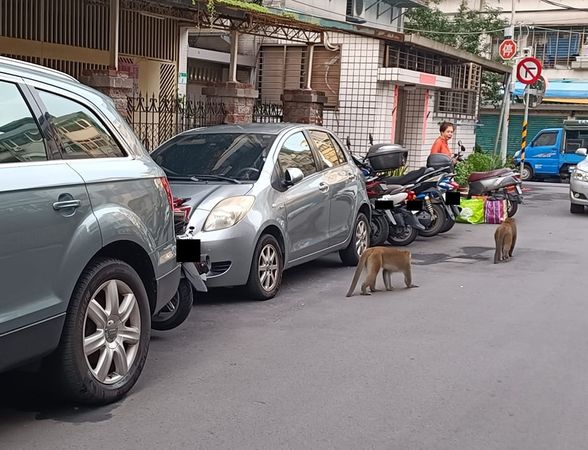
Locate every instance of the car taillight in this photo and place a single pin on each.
(180, 209)
(168, 191)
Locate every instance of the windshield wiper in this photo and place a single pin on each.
(213, 177)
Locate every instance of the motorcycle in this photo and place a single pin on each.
(192, 277)
(502, 183)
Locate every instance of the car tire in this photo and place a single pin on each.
(360, 241)
(265, 275)
(80, 366)
(527, 172)
(576, 209)
(177, 310)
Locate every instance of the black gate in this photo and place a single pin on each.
(157, 119)
(267, 112)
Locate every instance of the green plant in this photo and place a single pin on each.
(479, 161)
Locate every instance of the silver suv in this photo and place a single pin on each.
(87, 245)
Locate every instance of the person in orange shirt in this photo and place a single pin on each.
(440, 144)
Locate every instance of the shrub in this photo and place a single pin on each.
(478, 162)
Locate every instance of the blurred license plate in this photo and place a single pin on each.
(188, 250)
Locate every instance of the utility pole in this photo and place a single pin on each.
(508, 89)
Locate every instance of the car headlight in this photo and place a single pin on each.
(228, 212)
(580, 175)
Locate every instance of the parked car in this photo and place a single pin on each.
(579, 184)
(266, 197)
(87, 244)
(552, 152)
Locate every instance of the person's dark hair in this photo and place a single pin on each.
(445, 125)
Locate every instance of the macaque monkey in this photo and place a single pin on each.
(505, 237)
(389, 260)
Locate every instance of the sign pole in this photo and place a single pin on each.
(524, 129)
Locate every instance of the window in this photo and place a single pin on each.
(81, 133)
(330, 153)
(545, 139)
(20, 138)
(296, 153)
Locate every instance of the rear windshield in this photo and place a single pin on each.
(239, 156)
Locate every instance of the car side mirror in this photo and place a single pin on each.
(582, 151)
(292, 176)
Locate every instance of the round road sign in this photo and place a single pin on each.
(528, 70)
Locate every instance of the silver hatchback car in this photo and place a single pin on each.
(262, 198)
(87, 243)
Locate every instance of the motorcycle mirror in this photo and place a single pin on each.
(371, 139)
(348, 143)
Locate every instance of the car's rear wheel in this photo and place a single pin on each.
(105, 339)
(265, 276)
(576, 209)
(360, 241)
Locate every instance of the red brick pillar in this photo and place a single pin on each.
(114, 83)
(303, 106)
(238, 100)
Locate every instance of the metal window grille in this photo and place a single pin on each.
(267, 112)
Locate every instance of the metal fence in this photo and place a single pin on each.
(156, 119)
(268, 113)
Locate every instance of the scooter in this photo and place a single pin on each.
(500, 183)
(192, 278)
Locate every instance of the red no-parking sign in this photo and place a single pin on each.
(529, 70)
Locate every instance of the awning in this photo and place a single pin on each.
(561, 91)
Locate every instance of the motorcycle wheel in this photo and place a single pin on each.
(176, 311)
(380, 230)
(511, 207)
(437, 222)
(400, 236)
(448, 225)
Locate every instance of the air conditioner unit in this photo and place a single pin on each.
(355, 11)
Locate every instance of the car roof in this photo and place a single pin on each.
(267, 128)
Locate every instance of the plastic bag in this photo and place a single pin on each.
(472, 210)
(495, 210)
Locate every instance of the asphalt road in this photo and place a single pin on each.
(480, 356)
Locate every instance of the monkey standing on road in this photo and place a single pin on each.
(505, 238)
(385, 258)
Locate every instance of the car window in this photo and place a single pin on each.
(330, 153)
(80, 131)
(296, 153)
(545, 139)
(20, 138)
(239, 156)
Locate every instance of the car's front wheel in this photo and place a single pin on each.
(105, 339)
(576, 209)
(265, 276)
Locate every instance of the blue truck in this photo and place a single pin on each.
(553, 152)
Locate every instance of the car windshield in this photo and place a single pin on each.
(215, 156)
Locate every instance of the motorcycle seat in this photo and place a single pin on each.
(408, 177)
(477, 176)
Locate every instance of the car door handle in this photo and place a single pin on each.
(66, 204)
(323, 187)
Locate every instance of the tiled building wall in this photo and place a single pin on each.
(365, 106)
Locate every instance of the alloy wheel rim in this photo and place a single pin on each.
(268, 267)
(112, 331)
(361, 237)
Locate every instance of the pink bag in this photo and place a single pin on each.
(494, 210)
